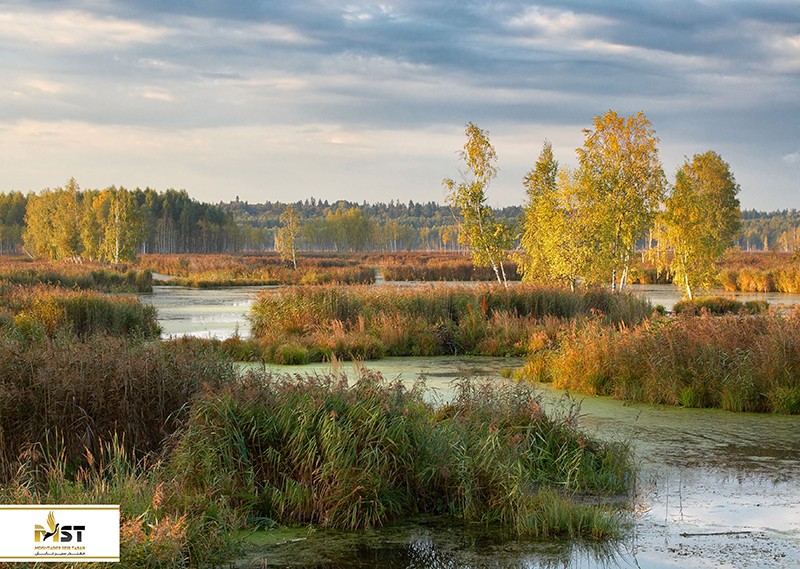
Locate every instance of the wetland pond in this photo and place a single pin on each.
(714, 489)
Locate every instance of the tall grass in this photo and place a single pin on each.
(738, 363)
(313, 450)
(208, 271)
(156, 528)
(42, 311)
(311, 323)
(74, 394)
(86, 276)
(192, 450)
(438, 268)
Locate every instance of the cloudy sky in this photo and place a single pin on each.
(281, 101)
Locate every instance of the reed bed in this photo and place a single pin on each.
(732, 362)
(156, 527)
(301, 324)
(85, 276)
(40, 311)
(73, 394)
(739, 271)
(193, 450)
(314, 450)
(786, 279)
(441, 269)
(209, 271)
(90, 420)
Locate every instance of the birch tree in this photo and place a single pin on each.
(556, 242)
(702, 219)
(487, 238)
(287, 234)
(623, 184)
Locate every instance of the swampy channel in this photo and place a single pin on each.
(714, 489)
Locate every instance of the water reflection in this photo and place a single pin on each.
(668, 295)
(207, 313)
(436, 544)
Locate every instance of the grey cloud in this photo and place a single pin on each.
(706, 72)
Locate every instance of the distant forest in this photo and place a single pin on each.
(172, 222)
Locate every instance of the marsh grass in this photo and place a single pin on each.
(733, 362)
(369, 322)
(738, 271)
(719, 305)
(195, 451)
(84, 276)
(760, 272)
(314, 450)
(41, 311)
(439, 268)
(210, 271)
(80, 392)
(156, 527)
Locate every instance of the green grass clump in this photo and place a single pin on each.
(720, 305)
(368, 322)
(733, 362)
(317, 451)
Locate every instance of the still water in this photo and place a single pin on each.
(715, 489)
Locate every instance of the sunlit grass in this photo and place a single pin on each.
(369, 322)
(86, 275)
(733, 362)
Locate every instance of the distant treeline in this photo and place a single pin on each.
(772, 231)
(116, 224)
(350, 226)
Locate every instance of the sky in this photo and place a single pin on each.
(283, 101)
